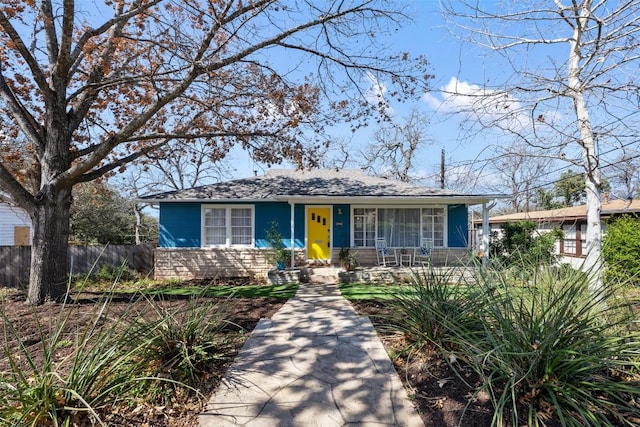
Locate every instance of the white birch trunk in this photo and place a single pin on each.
(593, 262)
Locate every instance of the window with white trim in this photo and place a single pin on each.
(364, 227)
(433, 225)
(401, 227)
(227, 225)
(570, 235)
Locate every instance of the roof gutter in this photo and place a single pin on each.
(354, 200)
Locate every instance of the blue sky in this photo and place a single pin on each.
(452, 61)
(466, 69)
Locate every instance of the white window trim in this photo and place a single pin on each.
(353, 225)
(227, 217)
(445, 209)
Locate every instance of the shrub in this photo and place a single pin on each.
(280, 255)
(110, 273)
(348, 260)
(550, 349)
(519, 243)
(621, 250)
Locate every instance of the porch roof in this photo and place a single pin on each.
(319, 186)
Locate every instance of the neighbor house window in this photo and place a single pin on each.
(574, 243)
(401, 227)
(227, 225)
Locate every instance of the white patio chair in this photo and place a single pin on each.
(422, 255)
(383, 252)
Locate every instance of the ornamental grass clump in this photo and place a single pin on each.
(75, 373)
(80, 371)
(426, 308)
(181, 342)
(551, 349)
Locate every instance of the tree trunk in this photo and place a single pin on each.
(49, 252)
(593, 261)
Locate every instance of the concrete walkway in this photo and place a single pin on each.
(314, 363)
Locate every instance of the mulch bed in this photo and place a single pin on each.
(243, 315)
(439, 394)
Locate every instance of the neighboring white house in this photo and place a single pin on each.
(15, 225)
(572, 221)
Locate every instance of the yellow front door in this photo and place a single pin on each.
(318, 233)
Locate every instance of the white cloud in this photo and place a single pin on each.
(489, 107)
(376, 94)
(455, 96)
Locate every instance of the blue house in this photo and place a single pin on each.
(221, 229)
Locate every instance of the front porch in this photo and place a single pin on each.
(440, 257)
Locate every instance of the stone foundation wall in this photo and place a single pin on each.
(200, 263)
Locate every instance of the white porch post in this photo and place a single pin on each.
(293, 237)
(484, 246)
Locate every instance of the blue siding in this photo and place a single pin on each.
(279, 212)
(180, 225)
(300, 231)
(341, 226)
(457, 227)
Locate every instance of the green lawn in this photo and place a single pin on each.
(356, 291)
(361, 291)
(285, 291)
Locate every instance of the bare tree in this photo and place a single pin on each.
(522, 171)
(574, 87)
(338, 154)
(91, 91)
(181, 166)
(396, 146)
(177, 167)
(624, 174)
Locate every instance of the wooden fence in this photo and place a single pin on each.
(15, 260)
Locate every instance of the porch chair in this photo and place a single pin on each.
(422, 255)
(382, 252)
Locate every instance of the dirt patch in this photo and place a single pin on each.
(440, 394)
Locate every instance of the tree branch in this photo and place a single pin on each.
(17, 192)
(23, 51)
(20, 114)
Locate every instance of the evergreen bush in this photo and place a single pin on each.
(621, 250)
(519, 242)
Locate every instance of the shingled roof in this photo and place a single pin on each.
(609, 208)
(282, 184)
